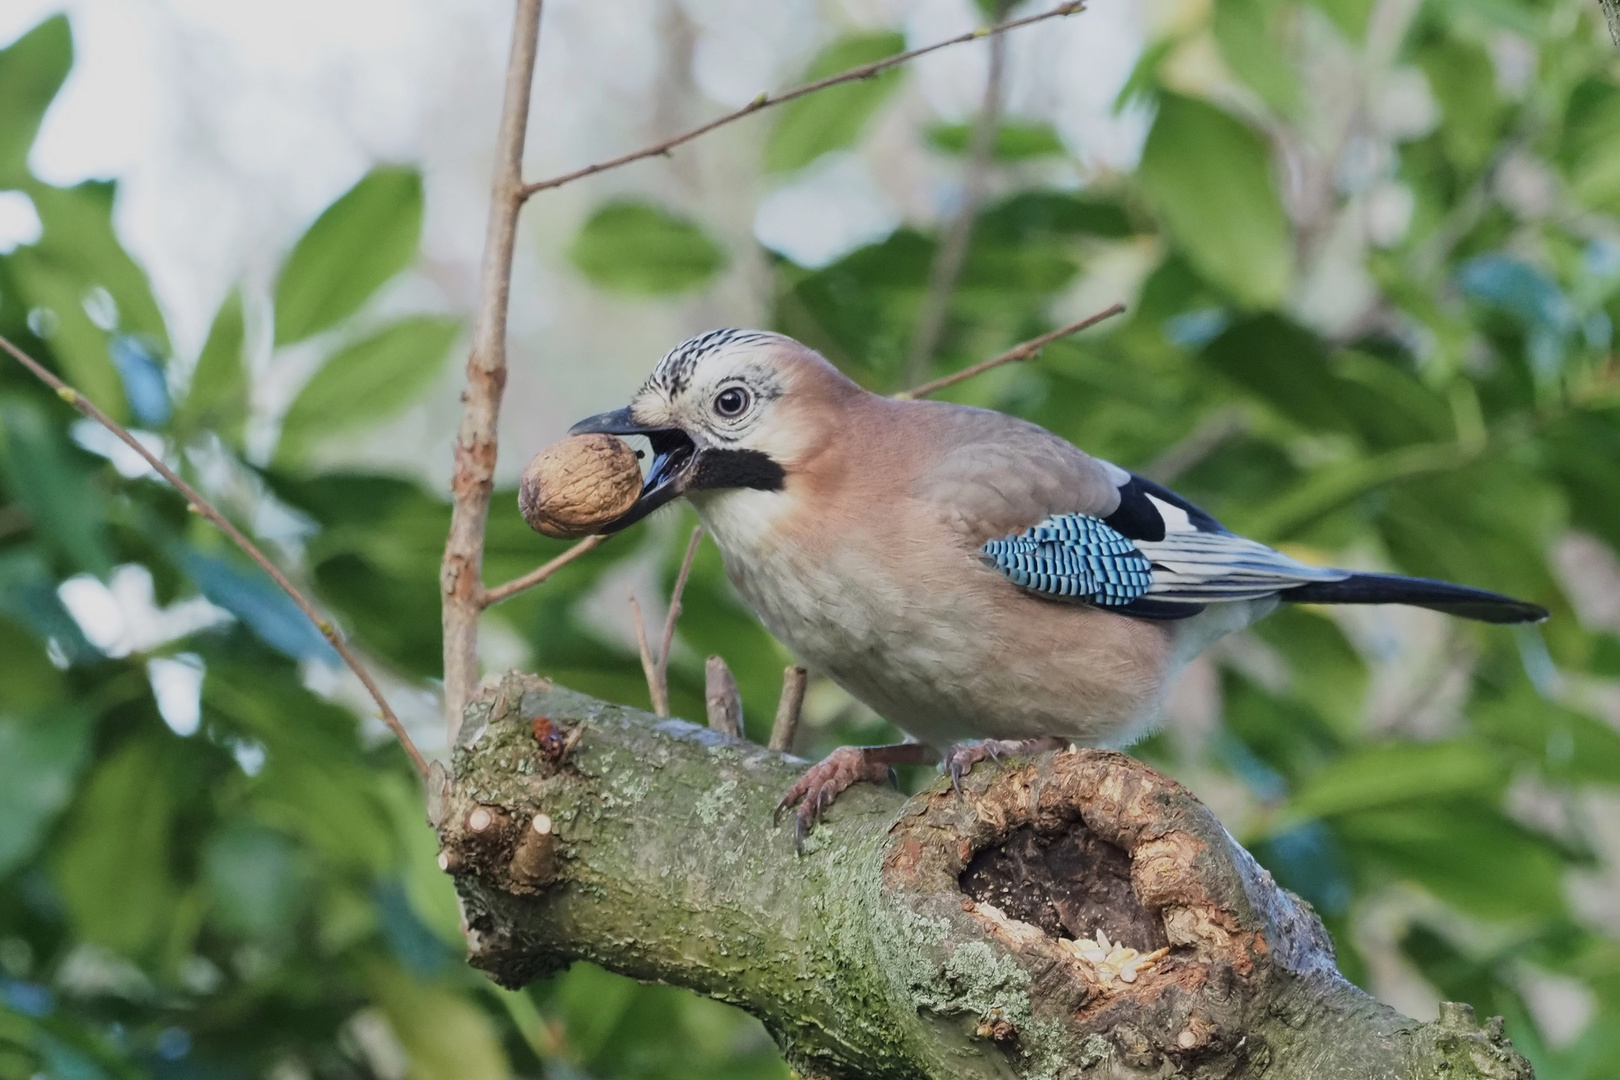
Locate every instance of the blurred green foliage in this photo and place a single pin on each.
(247, 888)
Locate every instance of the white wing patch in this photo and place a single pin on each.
(1200, 567)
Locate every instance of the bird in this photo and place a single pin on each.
(978, 581)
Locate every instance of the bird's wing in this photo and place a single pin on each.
(1155, 555)
(1066, 525)
(987, 474)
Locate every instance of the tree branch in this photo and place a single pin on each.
(491, 597)
(1023, 351)
(461, 575)
(766, 101)
(721, 700)
(953, 246)
(649, 663)
(208, 510)
(788, 709)
(675, 607)
(937, 937)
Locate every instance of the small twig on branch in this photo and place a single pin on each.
(461, 577)
(675, 607)
(953, 244)
(491, 597)
(1023, 351)
(766, 101)
(649, 665)
(787, 710)
(723, 702)
(202, 506)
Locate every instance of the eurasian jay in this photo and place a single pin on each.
(976, 580)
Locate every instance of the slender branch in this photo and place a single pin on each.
(649, 665)
(722, 702)
(461, 576)
(766, 101)
(491, 597)
(788, 709)
(1023, 351)
(202, 506)
(675, 607)
(953, 247)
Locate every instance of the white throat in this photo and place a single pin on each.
(741, 520)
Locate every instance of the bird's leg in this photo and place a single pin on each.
(823, 781)
(960, 758)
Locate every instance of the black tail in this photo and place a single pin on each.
(1418, 592)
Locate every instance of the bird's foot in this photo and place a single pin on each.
(813, 792)
(960, 758)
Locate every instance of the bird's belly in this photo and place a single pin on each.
(947, 664)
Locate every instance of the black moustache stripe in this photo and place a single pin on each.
(716, 469)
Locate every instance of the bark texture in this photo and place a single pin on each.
(915, 938)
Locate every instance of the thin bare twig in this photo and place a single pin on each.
(675, 607)
(766, 101)
(1022, 351)
(461, 576)
(649, 665)
(788, 708)
(720, 697)
(207, 509)
(953, 245)
(491, 597)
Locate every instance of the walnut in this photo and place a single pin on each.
(572, 487)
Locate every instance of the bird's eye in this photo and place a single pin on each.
(731, 401)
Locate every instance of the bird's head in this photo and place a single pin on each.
(730, 409)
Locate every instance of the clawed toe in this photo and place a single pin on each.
(823, 782)
(960, 758)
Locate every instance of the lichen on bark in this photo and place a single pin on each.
(914, 938)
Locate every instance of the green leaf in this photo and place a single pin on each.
(32, 70)
(368, 381)
(1350, 16)
(1467, 855)
(112, 865)
(79, 266)
(1565, 744)
(1244, 29)
(636, 248)
(1209, 176)
(218, 398)
(1590, 150)
(832, 119)
(256, 877)
(447, 1036)
(1392, 774)
(1281, 362)
(52, 487)
(40, 759)
(364, 238)
(1463, 80)
(1014, 141)
(1031, 216)
(430, 891)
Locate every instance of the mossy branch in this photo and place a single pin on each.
(931, 937)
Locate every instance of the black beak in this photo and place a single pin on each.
(673, 456)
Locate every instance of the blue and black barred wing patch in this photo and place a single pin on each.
(1076, 557)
